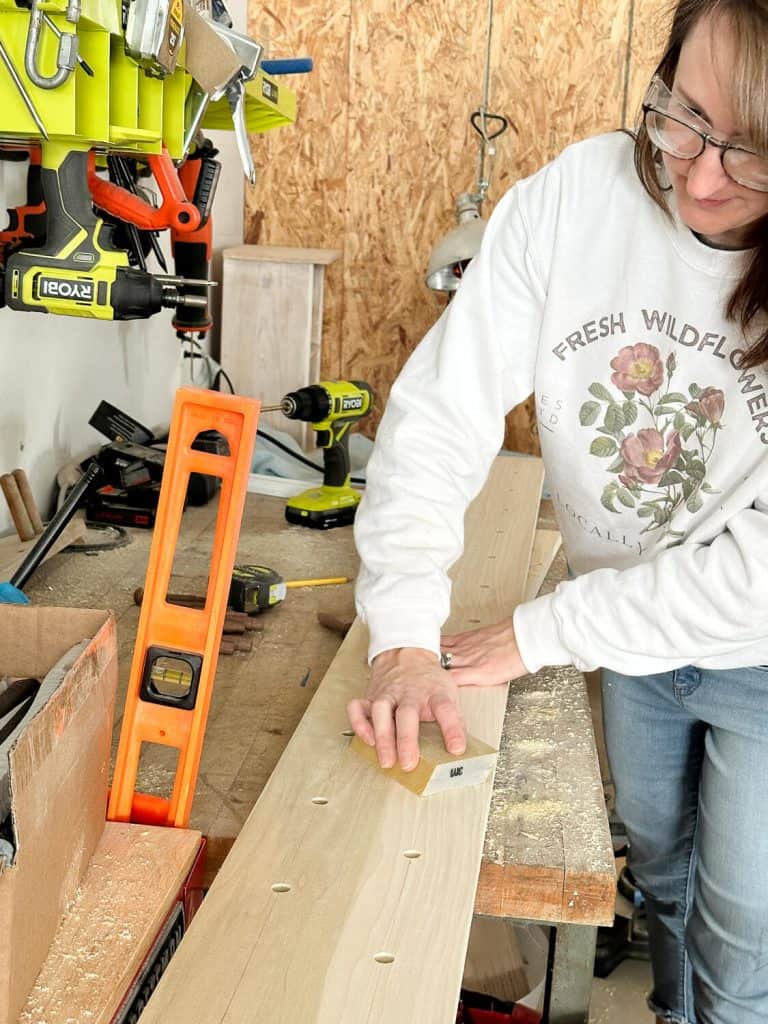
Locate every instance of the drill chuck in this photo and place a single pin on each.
(311, 404)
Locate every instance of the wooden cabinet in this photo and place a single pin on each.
(271, 324)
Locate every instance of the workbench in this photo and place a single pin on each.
(548, 855)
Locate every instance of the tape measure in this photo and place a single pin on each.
(255, 588)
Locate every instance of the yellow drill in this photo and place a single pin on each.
(331, 407)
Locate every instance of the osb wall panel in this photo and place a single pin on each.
(411, 68)
(301, 194)
(383, 144)
(650, 27)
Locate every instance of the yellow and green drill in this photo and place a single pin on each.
(332, 408)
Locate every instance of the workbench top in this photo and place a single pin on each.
(547, 853)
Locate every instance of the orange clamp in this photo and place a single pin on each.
(176, 211)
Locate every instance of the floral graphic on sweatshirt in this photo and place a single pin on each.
(660, 440)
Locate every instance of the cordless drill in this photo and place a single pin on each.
(71, 265)
(331, 407)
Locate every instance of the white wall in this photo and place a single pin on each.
(54, 370)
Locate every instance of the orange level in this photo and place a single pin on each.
(174, 660)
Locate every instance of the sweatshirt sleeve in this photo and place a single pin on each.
(698, 603)
(442, 426)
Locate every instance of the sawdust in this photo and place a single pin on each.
(537, 808)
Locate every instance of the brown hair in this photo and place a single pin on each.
(748, 304)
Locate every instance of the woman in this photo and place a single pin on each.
(627, 285)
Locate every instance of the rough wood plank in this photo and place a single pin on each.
(110, 925)
(548, 854)
(329, 904)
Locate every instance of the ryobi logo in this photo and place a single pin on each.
(349, 404)
(62, 288)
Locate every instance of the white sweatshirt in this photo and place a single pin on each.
(655, 442)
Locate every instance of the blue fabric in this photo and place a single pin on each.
(689, 757)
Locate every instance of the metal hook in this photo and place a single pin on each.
(66, 57)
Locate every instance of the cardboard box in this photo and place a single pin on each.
(59, 775)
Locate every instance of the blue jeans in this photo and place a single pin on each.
(689, 758)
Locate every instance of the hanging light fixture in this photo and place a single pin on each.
(454, 251)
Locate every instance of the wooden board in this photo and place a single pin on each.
(548, 854)
(347, 898)
(546, 544)
(133, 879)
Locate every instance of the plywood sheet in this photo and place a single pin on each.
(347, 898)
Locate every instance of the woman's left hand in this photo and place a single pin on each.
(484, 657)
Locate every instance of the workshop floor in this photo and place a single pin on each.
(621, 996)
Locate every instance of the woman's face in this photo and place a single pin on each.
(708, 202)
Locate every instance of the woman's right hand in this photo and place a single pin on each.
(407, 686)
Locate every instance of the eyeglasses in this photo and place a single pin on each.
(674, 129)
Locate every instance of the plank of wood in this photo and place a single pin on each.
(548, 854)
(345, 897)
(108, 928)
(546, 544)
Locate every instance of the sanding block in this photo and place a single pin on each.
(437, 770)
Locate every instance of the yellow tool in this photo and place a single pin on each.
(332, 407)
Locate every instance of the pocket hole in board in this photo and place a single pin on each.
(281, 887)
(384, 958)
(348, 732)
(412, 854)
(320, 800)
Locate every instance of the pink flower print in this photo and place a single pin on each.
(647, 456)
(638, 368)
(709, 405)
